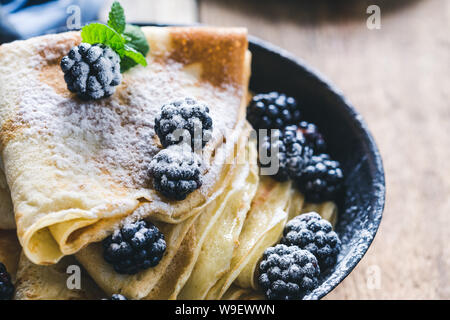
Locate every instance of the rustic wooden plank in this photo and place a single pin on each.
(156, 11)
(398, 78)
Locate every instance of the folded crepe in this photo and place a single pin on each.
(219, 230)
(263, 227)
(76, 169)
(183, 240)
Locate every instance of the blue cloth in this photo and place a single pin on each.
(22, 19)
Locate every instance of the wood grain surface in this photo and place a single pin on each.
(398, 77)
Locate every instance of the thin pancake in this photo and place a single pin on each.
(263, 227)
(243, 180)
(219, 230)
(169, 282)
(150, 283)
(139, 285)
(76, 168)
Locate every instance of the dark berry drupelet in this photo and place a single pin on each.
(92, 71)
(272, 111)
(321, 179)
(313, 137)
(184, 121)
(6, 286)
(288, 272)
(289, 147)
(310, 232)
(176, 172)
(135, 247)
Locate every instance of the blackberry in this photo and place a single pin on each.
(6, 286)
(288, 272)
(310, 232)
(272, 111)
(176, 172)
(321, 180)
(313, 137)
(293, 152)
(184, 120)
(135, 247)
(91, 71)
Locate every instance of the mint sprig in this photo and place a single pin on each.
(127, 40)
(99, 33)
(135, 39)
(117, 17)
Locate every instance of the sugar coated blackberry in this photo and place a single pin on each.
(289, 148)
(321, 179)
(176, 172)
(313, 137)
(310, 232)
(135, 247)
(6, 285)
(288, 272)
(91, 71)
(272, 111)
(184, 121)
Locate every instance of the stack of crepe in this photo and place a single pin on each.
(74, 171)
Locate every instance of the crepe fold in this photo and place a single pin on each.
(76, 169)
(218, 231)
(263, 227)
(183, 240)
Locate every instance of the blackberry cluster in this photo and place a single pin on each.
(92, 71)
(135, 247)
(6, 286)
(321, 179)
(290, 149)
(288, 272)
(313, 137)
(310, 232)
(176, 172)
(272, 111)
(184, 120)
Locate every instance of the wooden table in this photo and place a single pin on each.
(398, 77)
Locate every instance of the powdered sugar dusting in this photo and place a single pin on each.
(115, 136)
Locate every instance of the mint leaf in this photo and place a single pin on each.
(126, 64)
(99, 33)
(127, 40)
(136, 39)
(135, 55)
(117, 17)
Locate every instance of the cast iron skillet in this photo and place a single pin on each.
(349, 141)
